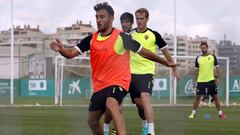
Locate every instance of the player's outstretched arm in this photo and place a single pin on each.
(169, 58)
(153, 57)
(136, 47)
(219, 75)
(69, 53)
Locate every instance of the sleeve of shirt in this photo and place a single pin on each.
(196, 63)
(129, 43)
(159, 40)
(84, 45)
(215, 61)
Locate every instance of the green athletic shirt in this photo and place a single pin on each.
(206, 65)
(148, 39)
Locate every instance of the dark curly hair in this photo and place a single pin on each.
(127, 16)
(203, 43)
(104, 6)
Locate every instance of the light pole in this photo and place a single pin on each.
(175, 50)
(12, 56)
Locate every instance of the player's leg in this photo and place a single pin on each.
(217, 102)
(138, 102)
(148, 111)
(94, 122)
(107, 121)
(113, 106)
(213, 93)
(218, 106)
(135, 94)
(199, 92)
(96, 109)
(196, 103)
(139, 105)
(146, 85)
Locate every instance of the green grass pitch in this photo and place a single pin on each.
(72, 121)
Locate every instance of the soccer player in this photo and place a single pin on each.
(205, 65)
(109, 57)
(126, 23)
(143, 70)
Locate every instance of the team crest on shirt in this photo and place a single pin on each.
(146, 37)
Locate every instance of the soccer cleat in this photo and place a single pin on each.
(222, 116)
(191, 116)
(113, 132)
(144, 130)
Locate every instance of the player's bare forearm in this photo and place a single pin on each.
(145, 53)
(196, 75)
(219, 73)
(69, 52)
(57, 46)
(169, 58)
(153, 57)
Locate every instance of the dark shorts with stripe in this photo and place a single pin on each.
(207, 88)
(140, 83)
(98, 99)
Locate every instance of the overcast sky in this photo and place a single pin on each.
(211, 18)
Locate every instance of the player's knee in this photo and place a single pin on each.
(145, 95)
(112, 105)
(215, 97)
(138, 102)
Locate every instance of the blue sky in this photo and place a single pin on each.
(211, 18)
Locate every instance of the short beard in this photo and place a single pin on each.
(104, 29)
(204, 52)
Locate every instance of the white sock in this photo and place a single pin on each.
(144, 123)
(151, 128)
(106, 127)
(220, 112)
(194, 112)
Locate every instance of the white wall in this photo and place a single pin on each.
(5, 68)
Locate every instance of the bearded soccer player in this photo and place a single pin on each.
(126, 20)
(205, 80)
(109, 57)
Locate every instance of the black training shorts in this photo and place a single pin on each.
(140, 83)
(207, 88)
(98, 99)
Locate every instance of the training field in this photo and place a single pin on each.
(72, 121)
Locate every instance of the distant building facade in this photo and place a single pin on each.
(32, 53)
(228, 49)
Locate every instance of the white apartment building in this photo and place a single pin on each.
(27, 41)
(32, 54)
(182, 41)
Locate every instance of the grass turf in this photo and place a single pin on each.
(72, 121)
